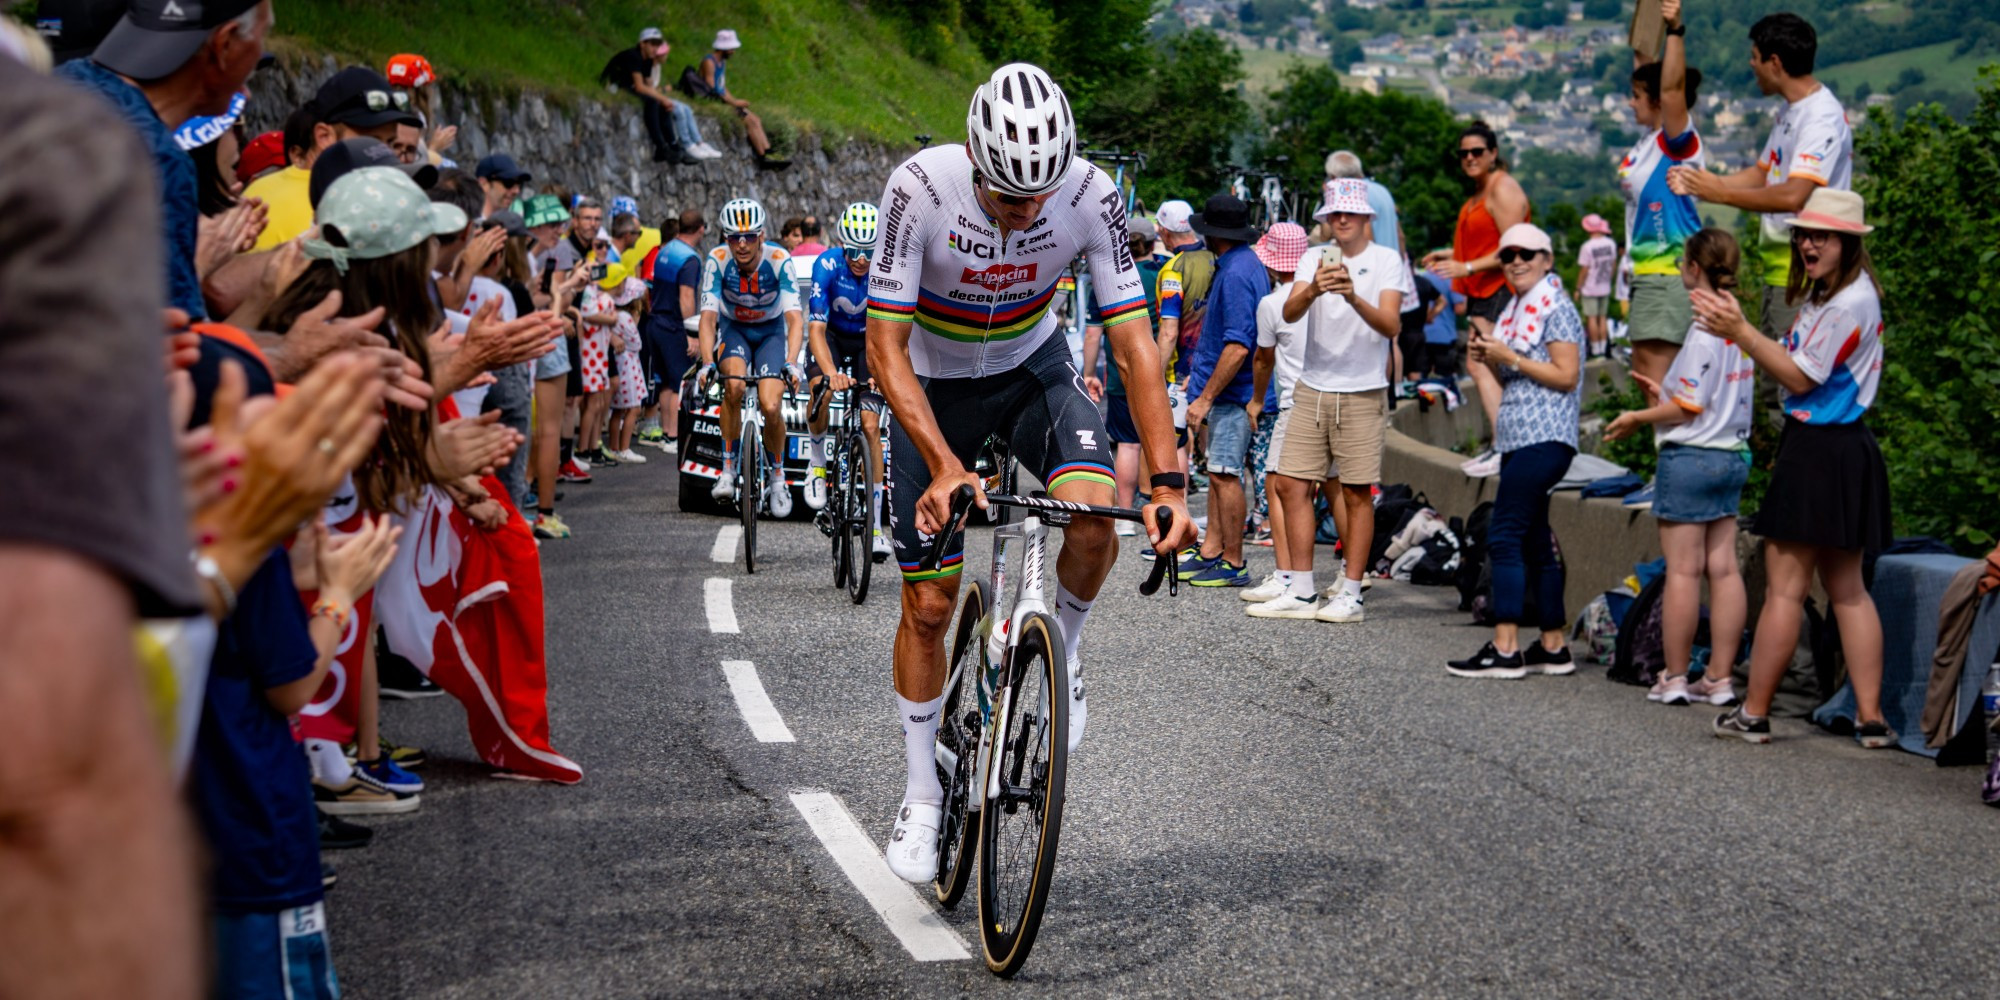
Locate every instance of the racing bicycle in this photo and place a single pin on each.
(849, 515)
(1003, 735)
(750, 462)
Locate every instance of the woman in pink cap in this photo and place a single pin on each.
(1596, 269)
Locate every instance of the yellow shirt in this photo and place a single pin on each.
(629, 260)
(287, 195)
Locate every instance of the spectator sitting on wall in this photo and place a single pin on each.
(713, 67)
(637, 71)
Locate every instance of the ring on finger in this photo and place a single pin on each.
(326, 446)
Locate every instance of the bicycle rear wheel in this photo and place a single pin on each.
(1020, 827)
(750, 486)
(958, 732)
(857, 518)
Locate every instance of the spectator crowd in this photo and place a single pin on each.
(330, 341)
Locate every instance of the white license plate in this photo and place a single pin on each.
(798, 446)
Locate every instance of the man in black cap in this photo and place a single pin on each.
(1219, 383)
(343, 158)
(165, 62)
(501, 179)
(355, 103)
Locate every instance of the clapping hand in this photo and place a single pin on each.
(472, 446)
(347, 566)
(1720, 314)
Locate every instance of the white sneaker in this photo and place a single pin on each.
(1343, 607)
(1126, 529)
(1339, 574)
(629, 457)
(725, 484)
(816, 487)
(1262, 592)
(780, 493)
(670, 446)
(883, 547)
(1079, 710)
(913, 845)
(704, 151)
(1486, 465)
(1284, 606)
(581, 462)
(1669, 690)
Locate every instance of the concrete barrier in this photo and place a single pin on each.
(1600, 538)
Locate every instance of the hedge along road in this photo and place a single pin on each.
(1259, 808)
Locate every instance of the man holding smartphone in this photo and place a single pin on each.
(1350, 293)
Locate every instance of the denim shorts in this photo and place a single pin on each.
(275, 956)
(1698, 485)
(554, 364)
(1228, 439)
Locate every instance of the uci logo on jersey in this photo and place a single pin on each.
(966, 244)
(999, 276)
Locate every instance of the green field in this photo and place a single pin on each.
(822, 65)
(1942, 70)
(1264, 69)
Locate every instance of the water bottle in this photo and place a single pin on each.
(1989, 710)
(996, 649)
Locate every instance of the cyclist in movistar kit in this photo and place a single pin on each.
(747, 291)
(963, 343)
(836, 336)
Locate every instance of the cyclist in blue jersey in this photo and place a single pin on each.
(748, 297)
(837, 336)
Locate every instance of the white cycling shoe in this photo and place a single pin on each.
(913, 845)
(780, 495)
(1079, 709)
(725, 485)
(816, 488)
(883, 547)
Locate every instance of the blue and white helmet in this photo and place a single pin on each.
(624, 204)
(742, 215)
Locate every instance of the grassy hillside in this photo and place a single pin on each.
(822, 65)
(1942, 70)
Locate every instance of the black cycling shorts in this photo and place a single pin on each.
(1040, 409)
(850, 355)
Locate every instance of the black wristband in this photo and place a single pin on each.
(1678, 30)
(1170, 480)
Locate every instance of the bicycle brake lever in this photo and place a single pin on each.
(1164, 519)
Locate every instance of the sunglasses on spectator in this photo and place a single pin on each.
(1465, 152)
(744, 238)
(379, 100)
(1512, 254)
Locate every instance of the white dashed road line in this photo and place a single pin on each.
(721, 613)
(762, 716)
(724, 549)
(923, 933)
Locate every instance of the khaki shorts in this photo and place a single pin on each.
(1347, 428)
(1277, 447)
(1661, 309)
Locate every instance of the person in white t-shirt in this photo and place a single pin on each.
(1810, 147)
(1281, 351)
(1350, 294)
(1597, 268)
(1703, 409)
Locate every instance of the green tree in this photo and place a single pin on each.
(1182, 109)
(1929, 187)
(1404, 141)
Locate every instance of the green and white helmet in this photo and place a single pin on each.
(858, 229)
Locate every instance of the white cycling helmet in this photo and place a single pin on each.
(742, 215)
(858, 230)
(1020, 131)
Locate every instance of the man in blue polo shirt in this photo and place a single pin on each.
(159, 67)
(1219, 383)
(671, 322)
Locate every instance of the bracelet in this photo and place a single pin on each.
(206, 568)
(1678, 30)
(340, 615)
(1169, 480)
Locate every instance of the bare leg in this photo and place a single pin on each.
(1860, 628)
(1294, 497)
(368, 720)
(755, 127)
(1089, 547)
(919, 648)
(1484, 381)
(1507, 638)
(1729, 605)
(1680, 599)
(548, 429)
(1225, 518)
(1360, 503)
(1788, 572)
(732, 400)
(1280, 532)
(1652, 358)
(1125, 469)
(1337, 504)
(770, 393)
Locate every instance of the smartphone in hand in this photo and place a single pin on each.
(597, 271)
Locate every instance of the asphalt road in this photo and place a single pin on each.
(1258, 809)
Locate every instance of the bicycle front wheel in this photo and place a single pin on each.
(1020, 826)
(958, 739)
(857, 517)
(836, 521)
(750, 486)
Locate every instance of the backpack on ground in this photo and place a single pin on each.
(1437, 559)
(1641, 653)
(1398, 506)
(1597, 629)
(1474, 575)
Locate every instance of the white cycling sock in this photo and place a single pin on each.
(875, 509)
(819, 452)
(1301, 584)
(920, 727)
(1071, 610)
(329, 764)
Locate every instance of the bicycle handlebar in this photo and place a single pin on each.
(961, 504)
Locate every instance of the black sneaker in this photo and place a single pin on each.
(1556, 664)
(1874, 735)
(1733, 724)
(401, 679)
(336, 834)
(1489, 663)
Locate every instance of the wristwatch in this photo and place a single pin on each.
(206, 568)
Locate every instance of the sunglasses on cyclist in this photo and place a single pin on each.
(1513, 254)
(1473, 152)
(1009, 200)
(744, 238)
(854, 254)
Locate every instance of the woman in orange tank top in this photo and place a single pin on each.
(1473, 262)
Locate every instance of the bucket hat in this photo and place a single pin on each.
(376, 212)
(1281, 248)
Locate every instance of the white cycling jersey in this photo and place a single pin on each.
(980, 303)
